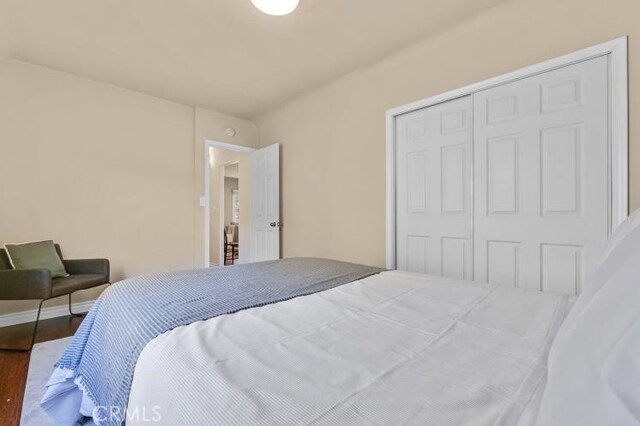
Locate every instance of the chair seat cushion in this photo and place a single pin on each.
(66, 285)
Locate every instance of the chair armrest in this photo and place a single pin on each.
(25, 284)
(88, 267)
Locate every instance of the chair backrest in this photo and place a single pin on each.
(5, 263)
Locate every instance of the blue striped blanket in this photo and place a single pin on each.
(94, 375)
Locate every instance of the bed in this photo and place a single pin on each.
(361, 346)
(393, 348)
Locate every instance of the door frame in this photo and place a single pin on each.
(616, 50)
(207, 189)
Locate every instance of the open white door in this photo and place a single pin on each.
(265, 203)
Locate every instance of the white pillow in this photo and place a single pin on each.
(594, 362)
(612, 259)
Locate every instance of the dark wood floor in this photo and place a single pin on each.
(15, 365)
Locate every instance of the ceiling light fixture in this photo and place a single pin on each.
(276, 7)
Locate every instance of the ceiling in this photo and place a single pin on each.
(222, 55)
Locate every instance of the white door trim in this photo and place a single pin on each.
(619, 120)
(207, 188)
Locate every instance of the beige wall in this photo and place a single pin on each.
(104, 171)
(333, 177)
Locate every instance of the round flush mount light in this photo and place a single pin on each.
(276, 7)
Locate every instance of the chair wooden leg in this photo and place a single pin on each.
(33, 335)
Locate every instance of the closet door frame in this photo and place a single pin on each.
(616, 50)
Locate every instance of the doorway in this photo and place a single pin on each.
(241, 202)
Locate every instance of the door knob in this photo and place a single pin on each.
(273, 224)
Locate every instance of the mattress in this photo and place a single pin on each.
(393, 348)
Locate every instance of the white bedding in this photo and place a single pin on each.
(394, 348)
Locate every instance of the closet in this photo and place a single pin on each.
(508, 185)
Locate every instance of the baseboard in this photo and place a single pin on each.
(46, 313)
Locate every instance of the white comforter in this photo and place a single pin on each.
(395, 348)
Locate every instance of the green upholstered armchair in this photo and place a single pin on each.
(37, 284)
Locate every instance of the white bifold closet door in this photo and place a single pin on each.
(509, 185)
(434, 205)
(542, 179)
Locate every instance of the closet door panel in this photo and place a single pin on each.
(433, 197)
(541, 178)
